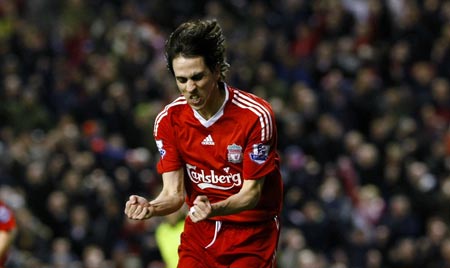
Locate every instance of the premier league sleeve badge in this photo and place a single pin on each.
(260, 153)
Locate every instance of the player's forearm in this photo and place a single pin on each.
(247, 198)
(171, 197)
(236, 203)
(166, 204)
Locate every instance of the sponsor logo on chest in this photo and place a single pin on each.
(211, 179)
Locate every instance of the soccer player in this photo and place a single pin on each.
(7, 231)
(218, 148)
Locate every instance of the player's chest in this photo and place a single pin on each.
(224, 142)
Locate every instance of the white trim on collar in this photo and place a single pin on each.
(214, 118)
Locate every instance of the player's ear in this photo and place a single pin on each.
(216, 73)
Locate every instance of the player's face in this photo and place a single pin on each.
(198, 84)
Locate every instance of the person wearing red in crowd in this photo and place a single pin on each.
(218, 148)
(7, 230)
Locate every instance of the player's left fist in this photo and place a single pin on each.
(201, 209)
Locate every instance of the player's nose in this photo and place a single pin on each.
(190, 85)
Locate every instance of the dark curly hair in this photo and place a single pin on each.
(198, 38)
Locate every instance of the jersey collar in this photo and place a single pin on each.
(214, 118)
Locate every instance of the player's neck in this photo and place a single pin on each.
(217, 100)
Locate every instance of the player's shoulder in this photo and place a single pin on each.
(249, 101)
(176, 105)
(255, 110)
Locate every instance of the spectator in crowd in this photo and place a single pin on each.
(360, 89)
(7, 232)
(167, 236)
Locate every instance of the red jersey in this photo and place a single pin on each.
(7, 224)
(238, 143)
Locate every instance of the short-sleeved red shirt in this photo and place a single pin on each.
(7, 224)
(238, 143)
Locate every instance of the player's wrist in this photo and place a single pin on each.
(150, 212)
(214, 211)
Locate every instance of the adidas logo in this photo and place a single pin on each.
(208, 141)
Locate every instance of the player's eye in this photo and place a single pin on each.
(197, 77)
(182, 80)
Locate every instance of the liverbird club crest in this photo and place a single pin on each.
(234, 153)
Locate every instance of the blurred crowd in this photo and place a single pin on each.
(360, 89)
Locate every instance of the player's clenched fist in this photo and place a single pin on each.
(138, 208)
(201, 209)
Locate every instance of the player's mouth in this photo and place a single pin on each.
(195, 100)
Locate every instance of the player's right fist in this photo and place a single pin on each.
(138, 208)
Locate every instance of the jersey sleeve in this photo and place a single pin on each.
(260, 155)
(164, 135)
